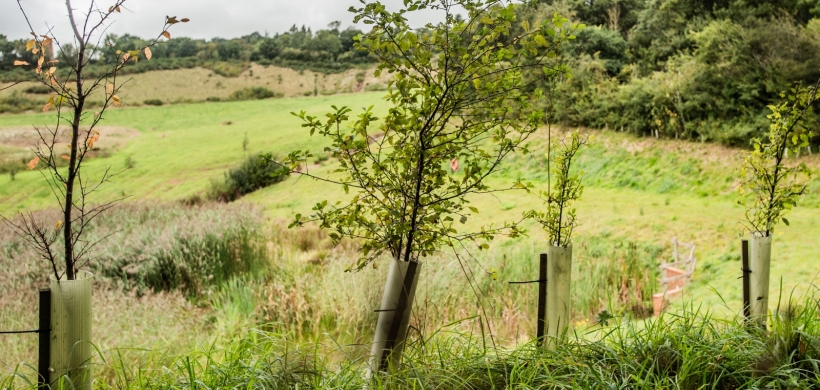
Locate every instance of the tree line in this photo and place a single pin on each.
(702, 70)
(694, 69)
(331, 45)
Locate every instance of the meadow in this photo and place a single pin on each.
(641, 193)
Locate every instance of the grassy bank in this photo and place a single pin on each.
(688, 350)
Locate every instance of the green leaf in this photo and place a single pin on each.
(463, 219)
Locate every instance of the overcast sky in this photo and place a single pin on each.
(209, 18)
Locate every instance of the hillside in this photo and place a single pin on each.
(201, 84)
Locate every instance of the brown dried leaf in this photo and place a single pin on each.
(148, 53)
(20, 63)
(47, 107)
(117, 101)
(65, 157)
(33, 163)
(166, 34)
(185, 20)
(110, 88)
(46, 42)
(58, 224)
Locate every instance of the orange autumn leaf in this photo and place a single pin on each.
(47, 107)
(33, 163)
(116, 99)
(92, 139)
(148, 53)
(20, 63)
(58, 224)
(166, 34)
(65, 157)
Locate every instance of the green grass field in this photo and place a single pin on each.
(640, 189)
(644, 191)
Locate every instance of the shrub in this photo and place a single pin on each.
(213, 99)
(152, 102)
(16, 102)
(253, 174)
(375, 87)
(38, 90)
(254, 93)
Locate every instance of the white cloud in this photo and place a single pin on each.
(209, 18)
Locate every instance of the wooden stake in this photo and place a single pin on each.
(747, 300)
(44, 335)
(542, 299)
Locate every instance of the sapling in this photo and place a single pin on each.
(63, 243)
(457, 92)
(559, 221)
(770, 187)
(70, 94)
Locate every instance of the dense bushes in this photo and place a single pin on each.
(253, 174)
(697, 70)
(16, 102)
(253, 93)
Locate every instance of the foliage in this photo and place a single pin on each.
(152, 102)
(560, 219)
(252, 175)
(68, 97)
(253, 93)
(457, 94)
(775, 186)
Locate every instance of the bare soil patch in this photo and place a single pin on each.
(17, 142)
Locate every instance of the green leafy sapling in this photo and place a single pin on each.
(770, 187)
(457, 92)
(560, 219)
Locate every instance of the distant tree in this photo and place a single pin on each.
(269, 48)
(346, 38)
(324, 41)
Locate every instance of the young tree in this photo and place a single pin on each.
(559, 220)
(774, 187)
(71, 92)
(457, 93)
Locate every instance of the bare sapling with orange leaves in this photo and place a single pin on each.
(62, 164)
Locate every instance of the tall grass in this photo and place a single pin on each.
(307, 291)
(155, 256)
(686, 350)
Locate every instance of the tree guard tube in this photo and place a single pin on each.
(71, 331)
(394, 316)
(760, 258)
(559, 275)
